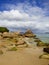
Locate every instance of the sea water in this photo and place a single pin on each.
(43, 37)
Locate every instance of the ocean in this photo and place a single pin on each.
(43, 37)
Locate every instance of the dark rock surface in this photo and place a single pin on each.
(46, 50)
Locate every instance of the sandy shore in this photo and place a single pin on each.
(25, 56)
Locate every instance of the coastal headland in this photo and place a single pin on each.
(22, 49)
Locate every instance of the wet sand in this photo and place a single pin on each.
(25, 56)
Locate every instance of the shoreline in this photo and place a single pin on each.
(21, 49)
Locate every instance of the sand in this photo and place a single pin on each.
(23, 56)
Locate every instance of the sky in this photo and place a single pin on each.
(25, 14)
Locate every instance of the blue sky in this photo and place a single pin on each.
(39, 3)
(33, 14)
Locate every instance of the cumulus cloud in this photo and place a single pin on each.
(26, 16)
(13, 15)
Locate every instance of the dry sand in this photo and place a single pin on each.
(25, 56)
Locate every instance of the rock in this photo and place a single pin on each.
(44, 56)
(1, 52)
(29, 33)
(17, 33)
(7, 35)
(20, 42)
(1, 37)
(12, 49)
(37, 40)
(40, 44)
(22, 46)
(0, 34)
(46, 50)
(10, 34)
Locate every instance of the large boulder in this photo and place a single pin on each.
(29, 33)
(20, 42)
(17, 33)
(7, 35)
(11, 34)
(46, 50)
(44, 56)
(3, 29)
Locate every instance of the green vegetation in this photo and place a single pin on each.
(3, 29)
(41, 44)
(1, 52)
(12, 49)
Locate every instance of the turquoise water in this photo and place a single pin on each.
(43, 37)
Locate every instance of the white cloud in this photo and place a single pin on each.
(13, 15)
(25, 16)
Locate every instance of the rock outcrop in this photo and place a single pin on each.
(10, 34)
(46, 50)
(20, 42)
(29, 33)
(40, 43)
(37, 40)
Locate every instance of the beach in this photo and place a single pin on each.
(18, 49)
(25, 56)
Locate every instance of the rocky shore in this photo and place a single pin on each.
(26, 43)
(17, 39)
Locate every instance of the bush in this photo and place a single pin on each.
(3, 29)
(1, 52)
(12, 49)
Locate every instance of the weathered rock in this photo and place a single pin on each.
(22, 46)
(1, 52)
(46, 50)
(44, 56)
(29, 33)
(20, 42)
(17, 33)
(0, 34)
(10, 34)
(1, 37)
(7, 35)
(37, 40)
(40, 44)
